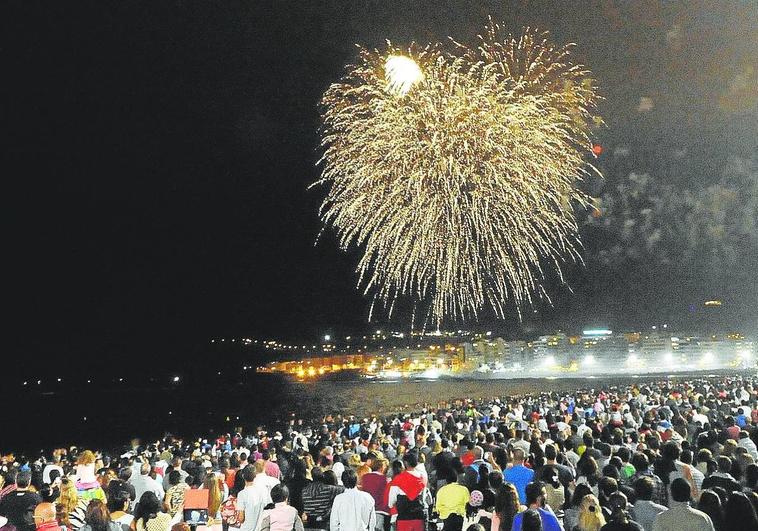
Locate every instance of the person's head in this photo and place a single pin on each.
(44, 513)
(531, 520)
(145, 468)
(97, 516)
(643, 488)
(181, 526)
(535, 494)
(640, 462)
(607, 486)
(174, 477)
(710, 504)
(476, 527)
(148, 507)
(118, 496)
(580, 492)
(68, 497)
(349, 478)
(518, 456)
(248, 473)
(618, 504)
(330, 478)
(680, 490)
(410, 460)
(23, 479)
(590, 514)
(550, 452)
(87, 457)
(280, 493)
(725, 464)
(739, 512)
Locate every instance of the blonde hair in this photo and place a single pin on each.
(87, 457)
(213, 484)
(68, 497)
(590, 514)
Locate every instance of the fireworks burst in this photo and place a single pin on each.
(456, 172)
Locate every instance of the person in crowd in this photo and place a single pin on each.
(519, 475)
(535, 500)
(318, 498)
(645, 509)
(571, 514)
(118, 504)
(375, 483)
(620, 519)
(710, 504)
(723, 477)
(590, 516)
(680, 516)
(98, 518)
(18, 505)
(251, 501)
(44, 517)
(739, 513)
(531, 520)
(507, 506)
(148, 515)
(407, 496)
(142, 482)
(174, 499)
(70, 507)
(451, 502)
(282, 517)
(352, 509)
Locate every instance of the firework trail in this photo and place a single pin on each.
(456, 172)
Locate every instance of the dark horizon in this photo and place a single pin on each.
(160, 156)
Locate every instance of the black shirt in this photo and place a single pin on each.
(18, 508)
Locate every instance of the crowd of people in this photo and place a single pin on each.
(653, 456)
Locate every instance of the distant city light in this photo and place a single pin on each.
(176, 379)
(589, 359)
(713, 303)
(327, 337)
(549, 361)
(598, 332)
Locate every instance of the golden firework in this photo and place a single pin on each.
(456, 172)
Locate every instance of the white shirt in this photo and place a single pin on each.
(251, 500)
(353, 510)
(143, 484)
(46, 472)
(265, 481)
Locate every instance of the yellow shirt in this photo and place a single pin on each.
(452, 499)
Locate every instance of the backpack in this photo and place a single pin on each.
(229, 512)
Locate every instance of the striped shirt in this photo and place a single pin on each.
(317, 501)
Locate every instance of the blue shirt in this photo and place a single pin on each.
(520, 476)
(549, 521)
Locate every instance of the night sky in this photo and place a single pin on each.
(157, 157)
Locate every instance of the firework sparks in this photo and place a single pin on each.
(456, 172)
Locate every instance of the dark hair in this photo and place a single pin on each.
(550, 452)
(643, 488)
(248, 473)
(118, 496)
(147, 508)
(239, 483)
(97, 516)
(710, 504)
(349, 478)
(174, 477)
(330, 478)
(580, 492)
(410, 460)
(531, 520)
(680, 490)
(739, 513)
(23, 479)
(533, 491)
(279, 493)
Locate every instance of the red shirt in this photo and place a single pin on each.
(375, 483)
